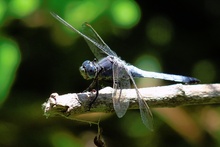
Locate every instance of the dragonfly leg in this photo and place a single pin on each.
(91, 86)
(97, 94)
(95, 84)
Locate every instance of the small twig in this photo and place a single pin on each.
(72, 105)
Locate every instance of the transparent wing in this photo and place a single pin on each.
(120, 81)
(101, 49)
(96, 44)
(145, 112)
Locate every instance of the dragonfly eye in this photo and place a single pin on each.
(91, 70)
(86, 63)
(88, 70)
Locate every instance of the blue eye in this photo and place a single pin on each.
(86, 63)
(89, 69)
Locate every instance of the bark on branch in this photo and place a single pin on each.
(74, 104)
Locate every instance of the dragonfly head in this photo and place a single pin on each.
(88, 70)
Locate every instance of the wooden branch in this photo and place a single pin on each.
(75, 104)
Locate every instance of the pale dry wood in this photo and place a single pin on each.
(75, 104)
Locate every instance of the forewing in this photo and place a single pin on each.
(120, 81)
(96, 44)
(98, 47)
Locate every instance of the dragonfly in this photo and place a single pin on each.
(110, 67)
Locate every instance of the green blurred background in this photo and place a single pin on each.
(39, 56)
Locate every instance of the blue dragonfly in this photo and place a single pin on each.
(109, 67)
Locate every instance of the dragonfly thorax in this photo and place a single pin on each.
(89, 69)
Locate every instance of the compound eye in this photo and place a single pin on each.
(89, 68)
(86, 63)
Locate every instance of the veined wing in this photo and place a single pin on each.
(96, 44)
(120, 81)
(100, 49)
(145, 112)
